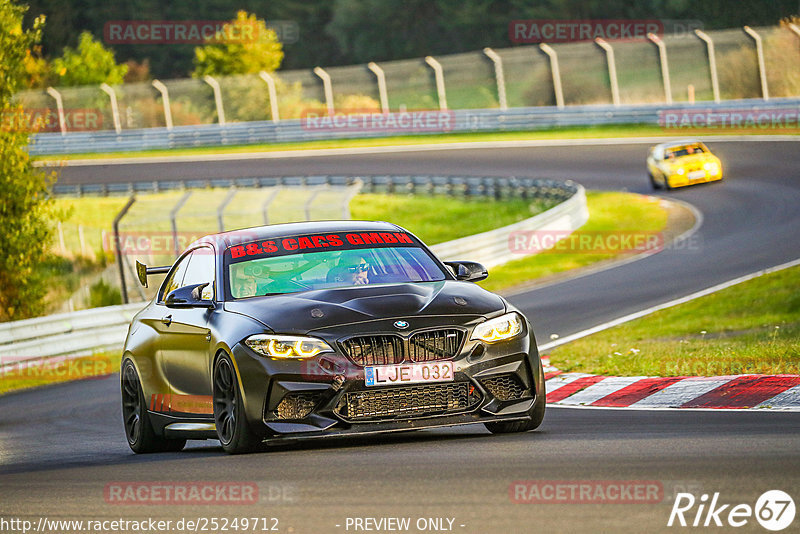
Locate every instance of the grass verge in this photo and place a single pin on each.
(587, 132)
(436, 219)
(610, 214)
(752, 327)
(18, 377)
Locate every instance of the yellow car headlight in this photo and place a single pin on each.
(281, 346)
(501, 328)
(680, 171)
(711, 166)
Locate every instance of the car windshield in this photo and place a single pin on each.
(331, 269)
(680, 151)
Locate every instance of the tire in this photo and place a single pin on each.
(229, 415)
(536, 414)
(653, 181)
(138, 428)
(666, 183)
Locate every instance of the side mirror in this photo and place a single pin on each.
(188, 297)
(468, 271)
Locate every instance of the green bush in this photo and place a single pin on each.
(102, 294)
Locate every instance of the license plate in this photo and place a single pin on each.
(694, 175)
(412, 373)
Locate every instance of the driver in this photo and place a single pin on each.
(351, 268)
(360, 272)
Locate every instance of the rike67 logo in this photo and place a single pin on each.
(774, 510)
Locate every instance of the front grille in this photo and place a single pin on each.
(374, 350)
(409, 401)
(434, 345)
(391, 349)
(504, 387)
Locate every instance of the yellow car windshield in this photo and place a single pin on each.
(680, 151)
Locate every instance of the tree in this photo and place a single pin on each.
(244, 46)
(26, 213)
(90, 64)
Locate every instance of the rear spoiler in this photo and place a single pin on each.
(143, 270)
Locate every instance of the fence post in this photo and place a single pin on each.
(382, 94)
(267, 202)
(165, 100)
(273, 94)
(217, 97)
(612, 69)
(327, 86)
(62, 247)
(499, 77)
(62, 123)
(222, 206)
(173, 213)
(354, 190)
(114, 108)
(82, 241)
(118, 244)
(439, 74)
(310, 200)
(662, 55)
(547, 49)
(762, 69)
(712, 62)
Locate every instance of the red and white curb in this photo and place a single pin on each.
(775, 392)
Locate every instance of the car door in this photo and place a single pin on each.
(159, 318)
(187, 339)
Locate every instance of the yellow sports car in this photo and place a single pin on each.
(681, 163)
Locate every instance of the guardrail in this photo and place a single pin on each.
(87, 331)
(79, 332)
(492, 248)
(461, 121)
(457, 186)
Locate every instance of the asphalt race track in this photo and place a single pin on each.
(61, 446)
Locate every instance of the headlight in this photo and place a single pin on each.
(680, 171)
(711, 167)
(278, 346)
(500, 328)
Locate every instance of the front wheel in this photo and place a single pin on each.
(536, 415)
(138, 429)
(229, 415)
(653, 182)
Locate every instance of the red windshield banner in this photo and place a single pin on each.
(318, 242)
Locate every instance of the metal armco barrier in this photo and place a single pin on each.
(461, 121)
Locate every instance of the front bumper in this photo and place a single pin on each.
(327, 395)
(692, 177)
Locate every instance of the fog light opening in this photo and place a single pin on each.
(295, 406)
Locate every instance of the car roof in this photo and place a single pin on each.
(680, 142)
(224, 240)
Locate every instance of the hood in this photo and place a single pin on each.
(310, 310)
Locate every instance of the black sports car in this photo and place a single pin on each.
(322, 329)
